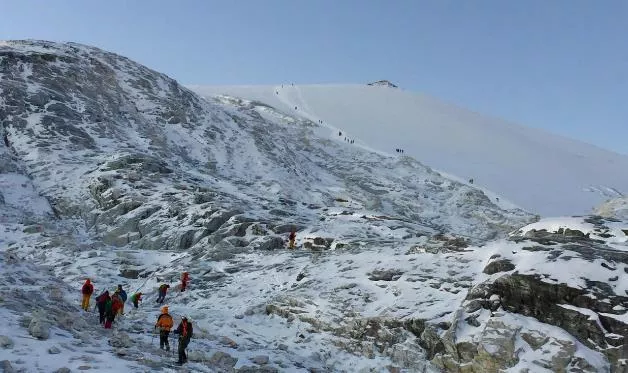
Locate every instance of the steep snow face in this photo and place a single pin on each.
(539, 171)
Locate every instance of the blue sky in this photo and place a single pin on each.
(561, 65)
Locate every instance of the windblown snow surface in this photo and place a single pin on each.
(539, 171)
(112, 171)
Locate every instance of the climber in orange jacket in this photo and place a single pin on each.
(87, 291)
(164, 323)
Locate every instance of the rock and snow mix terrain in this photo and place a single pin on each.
(539, 171)
(112, 171)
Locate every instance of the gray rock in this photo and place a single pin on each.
(223, 360)
(497, 346)
(32, 229)
(7, 367)
(63, 370)
(39, 328)
(257, 369)
(502, 265)
(260, 360)
(535, 340)
(268, 243)
(226, 341)
(385, 275)
(6, 342)
(120, 339)
(130, 273)
(54, 350)
(197, 355)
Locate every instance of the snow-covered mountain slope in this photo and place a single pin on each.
(542, 172)
(112, 171)
(116, 134)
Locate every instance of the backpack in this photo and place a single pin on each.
(167, 322)
(101, 298)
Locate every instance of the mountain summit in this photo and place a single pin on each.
(384, 83)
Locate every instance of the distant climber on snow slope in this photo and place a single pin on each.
(185, 278)
(292, 238)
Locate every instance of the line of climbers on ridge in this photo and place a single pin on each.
(112, 306)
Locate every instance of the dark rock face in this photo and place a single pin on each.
(550, 303)
(385, 275)
(130, 273)
(496, 266)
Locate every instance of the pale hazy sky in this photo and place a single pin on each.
(561, 65)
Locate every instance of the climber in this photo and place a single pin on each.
(123, 297)
(339, 133)
(116, 303)
(163, 288)
(164, 323)
(109, 314)
(184, 330)
(136, 299)
(292, 237)
(87, 291)
(185, 278)
(101, 302)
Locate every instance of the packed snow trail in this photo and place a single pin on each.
(291, 97)
(508, 159)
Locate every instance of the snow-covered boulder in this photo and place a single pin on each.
(54, 350)
(260, 359)
(120, 339)
(7, 367)
(6, 342)
(39, 327)
(223, 360)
